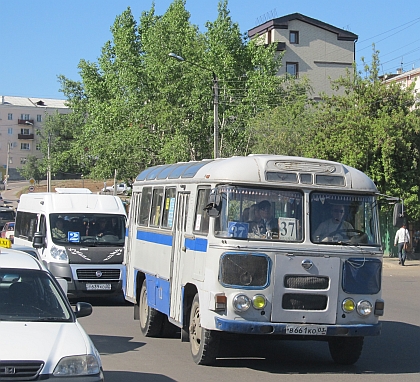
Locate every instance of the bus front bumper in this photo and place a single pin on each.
(268, 328)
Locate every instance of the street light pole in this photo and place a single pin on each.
(215, 103)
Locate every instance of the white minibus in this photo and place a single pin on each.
(260, 245)
(79, 236)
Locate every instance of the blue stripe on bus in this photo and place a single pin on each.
(196, 244)
(153, 237)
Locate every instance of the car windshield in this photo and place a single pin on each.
(7, 215)
(88, 229)
(259, 214)
(31, 295)
(343, 218)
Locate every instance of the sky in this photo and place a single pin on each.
(40, 40)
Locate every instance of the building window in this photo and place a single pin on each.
(25, 117)
(294, 37)
(39, 118)
(10, 116)
(25, 146)
(10, 130)
(292, 69)
(24, 131)
(22, 160)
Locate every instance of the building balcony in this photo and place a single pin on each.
(25, 136)
(23, 121)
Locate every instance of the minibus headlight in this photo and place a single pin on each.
(348, 305)
(59, 253)
(259, 301)
(241, 303)
(364, 308)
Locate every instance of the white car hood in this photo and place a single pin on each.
(43, 341)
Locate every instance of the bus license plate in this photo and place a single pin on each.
(98, 286)
(307, 330)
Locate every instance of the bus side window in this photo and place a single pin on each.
(201, 219)
(156, 207)
(146, 200)
(169, 208)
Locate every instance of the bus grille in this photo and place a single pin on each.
(98, 274)
(294, 301)
(20, 370)
(306, 282)
(243, 270)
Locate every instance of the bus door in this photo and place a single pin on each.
(131, 241)
(178, 250)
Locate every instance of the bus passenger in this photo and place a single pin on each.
(268, 224)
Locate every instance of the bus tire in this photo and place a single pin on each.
(345, 350)
(204, 343)
(151, 320)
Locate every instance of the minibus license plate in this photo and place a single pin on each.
(308, 330)
(98, 286)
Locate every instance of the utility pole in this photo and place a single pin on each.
(6, 177)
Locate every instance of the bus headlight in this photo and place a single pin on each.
(348, 305)
(58, 253)
(259, 301)
(364, 308)
(241, 303)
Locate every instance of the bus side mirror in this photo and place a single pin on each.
(398, 215)
(39, 240)
(214, 205)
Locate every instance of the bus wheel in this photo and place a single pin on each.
(204, 343)
(345, 350)
(151, 320)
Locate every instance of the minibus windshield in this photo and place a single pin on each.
(94, 229)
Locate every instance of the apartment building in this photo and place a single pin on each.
(312, 49)
(405, 79)
(21, 121)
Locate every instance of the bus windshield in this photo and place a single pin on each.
(343, 218)
(93, 229)
(260, 214)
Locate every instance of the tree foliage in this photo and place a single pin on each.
(141, 107)
(374, 127)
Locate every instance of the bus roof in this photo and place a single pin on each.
(262, 169)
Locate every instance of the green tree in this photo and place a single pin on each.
(31, 169)
(374, 127)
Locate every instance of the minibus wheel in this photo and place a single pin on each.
(345, 350)
(151, 320)
(204, 343)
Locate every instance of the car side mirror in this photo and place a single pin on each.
(83, 309)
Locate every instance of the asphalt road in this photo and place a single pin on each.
(393, 356)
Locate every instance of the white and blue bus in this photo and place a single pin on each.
(265, 245)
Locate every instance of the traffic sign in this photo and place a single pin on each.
(32, 181)
(31, 189)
